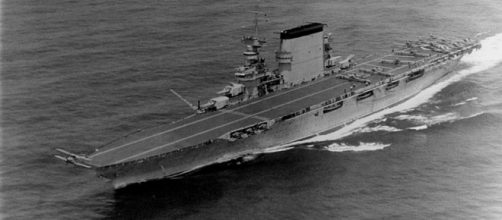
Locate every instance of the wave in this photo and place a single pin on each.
(421, 119)
(425, 122)
(418, 128)
(355, 148)
(377, 128)
(458, 104)
(473, 115)
(465, 102)
(471, 99)
(278, 148)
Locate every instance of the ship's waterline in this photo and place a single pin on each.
(280, 136)
(312, 92)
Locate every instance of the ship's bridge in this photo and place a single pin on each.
(248, 73)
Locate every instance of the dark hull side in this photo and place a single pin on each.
(282, 132)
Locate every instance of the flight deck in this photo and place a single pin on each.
(209, 126)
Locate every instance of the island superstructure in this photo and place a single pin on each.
(310, 92)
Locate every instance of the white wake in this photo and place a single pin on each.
(424, 122)
(356, 148)
(376, 128)
(430, 120)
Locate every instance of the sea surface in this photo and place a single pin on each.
(77, 74)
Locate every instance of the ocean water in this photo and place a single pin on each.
(77, 74)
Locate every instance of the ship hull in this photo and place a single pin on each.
(282, 132)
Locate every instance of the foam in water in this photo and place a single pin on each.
(420, 119)
(278, 148)
(356, 148)
(458, 104)
(487, 57)
(471, 99)
(377, 128)
(410, 117)
(426, 122)
(418, 128)
(466, 101)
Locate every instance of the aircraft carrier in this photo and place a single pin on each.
(310, 91)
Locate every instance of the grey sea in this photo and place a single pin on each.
(78, 74)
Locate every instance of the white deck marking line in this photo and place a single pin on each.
(383, 67)
(242, 106)
(203, 119)
(229, 123)
(245, 115)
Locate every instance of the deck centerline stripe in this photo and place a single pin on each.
(245, 114)
(221, 113)
(229, 123)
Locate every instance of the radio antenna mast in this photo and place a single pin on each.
(256, 13)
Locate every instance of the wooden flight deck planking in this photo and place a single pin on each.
(203, 127)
